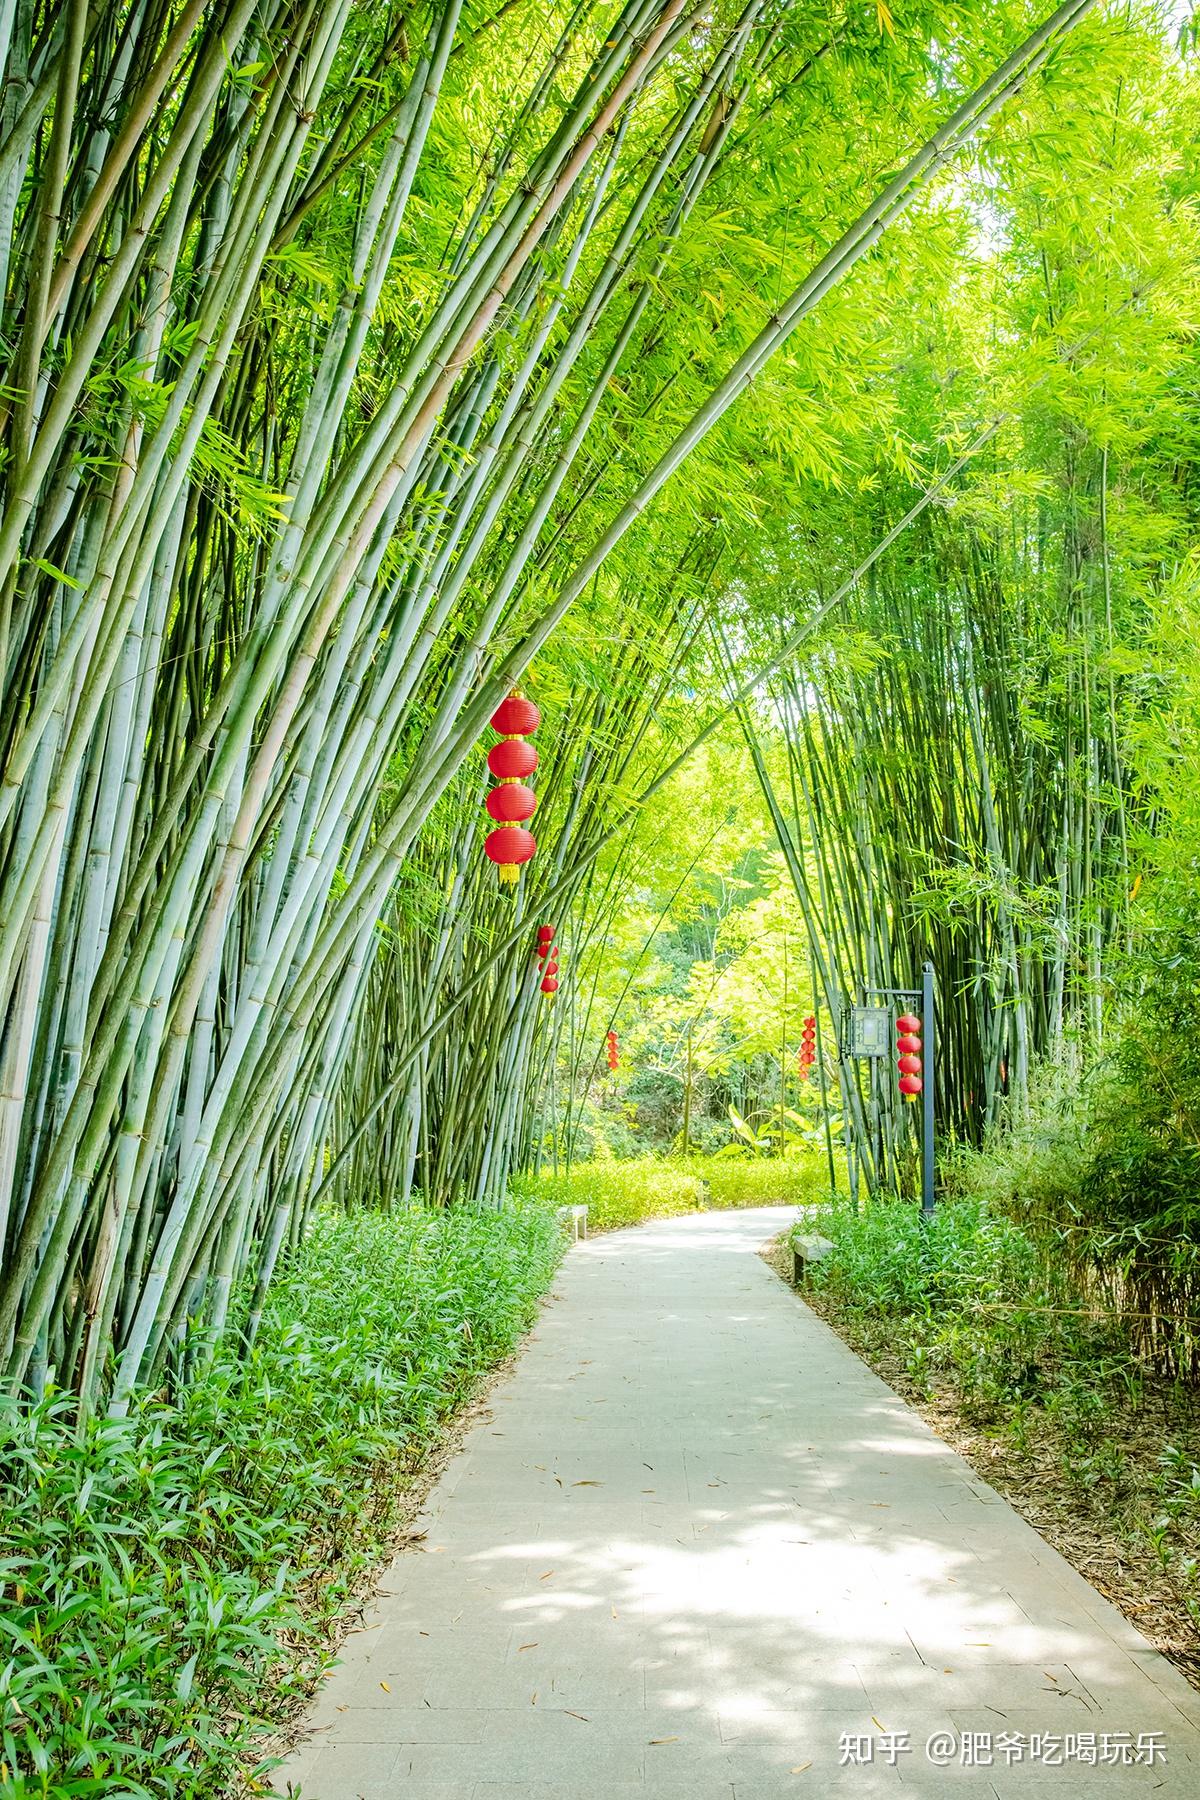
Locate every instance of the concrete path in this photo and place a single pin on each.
(699, 1550)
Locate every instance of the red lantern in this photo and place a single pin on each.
(508, 847)
(516, 717)
(808, 1048)
(908, 1042)
(511, 759)
(547, 955)
(511, 802)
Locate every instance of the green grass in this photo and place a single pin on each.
(170, 1578)
(976, 1312)
(799, 1180)
(965, 1258)
(619, 1193)
(652, 1187)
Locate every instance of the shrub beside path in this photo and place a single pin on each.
(698, 1549)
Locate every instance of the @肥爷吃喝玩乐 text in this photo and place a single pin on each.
(989, 1749)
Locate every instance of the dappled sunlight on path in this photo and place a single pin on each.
(696, 1545)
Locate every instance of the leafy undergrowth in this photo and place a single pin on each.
(652, 1187)
(971, 1320)
(171, 1581)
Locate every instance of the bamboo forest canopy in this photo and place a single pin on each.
(796, 400)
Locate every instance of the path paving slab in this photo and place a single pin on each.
(697, 1550)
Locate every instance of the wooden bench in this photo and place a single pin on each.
(805, 1251)
(574, 1220)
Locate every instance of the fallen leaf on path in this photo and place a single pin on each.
(532, 1646)
(546, 1576)
(800, 1768)
(575, 1715)
(670, 1740)
(875, 1721)
(385, 1687)
(587, 1484)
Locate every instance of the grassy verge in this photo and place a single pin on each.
(653, 1187)
(172, 1580)
(974, 1323)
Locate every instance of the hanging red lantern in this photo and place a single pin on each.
(808, 1048)
(508, 847)
(516, 717)
(547, 955)
(512, 759)
(611, 1043)
(511, 802)
(908, 1042)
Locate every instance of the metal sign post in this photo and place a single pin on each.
(929, 1048)
(868, 1035)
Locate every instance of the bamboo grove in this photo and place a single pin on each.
(961, 772)
(347, 353)
(946, 667)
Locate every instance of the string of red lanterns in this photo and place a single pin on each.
(808, 1048)
(611, 1046)
(908, 1044)
(512, 802)
(547, 955)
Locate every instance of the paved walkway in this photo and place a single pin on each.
(695, 1543)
